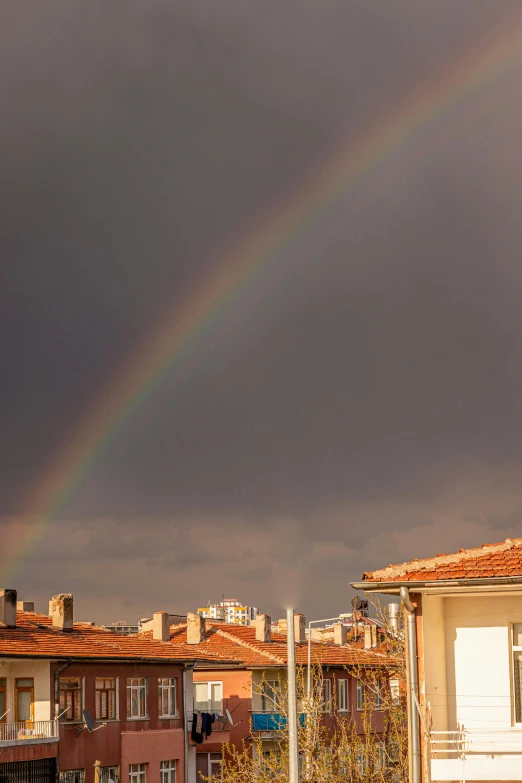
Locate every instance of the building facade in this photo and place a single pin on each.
(463, 620)
(230, 610)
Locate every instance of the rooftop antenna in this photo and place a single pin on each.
(88, 723)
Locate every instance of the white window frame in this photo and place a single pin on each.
(343, 695)
(326, 695)
(137, 772)
(143, 685)
(359, 701)
(209, 707)
(271, 696)
(378, 694)
(109, 773)
(172, 699)
(168, 771)
(381, 756)
(395, 690)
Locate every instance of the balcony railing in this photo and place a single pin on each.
(476, 754)
(272, 721)
(29, 731)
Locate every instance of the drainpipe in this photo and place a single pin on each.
(185, 726)
(57, 687)
(414, 686)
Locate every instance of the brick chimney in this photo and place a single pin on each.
(8, 608)
(263, 630)
(340, 634)
(161, 627)
(195, 628)
(61, 611)
(299, 627)
(281, 625)
(25, 606)
(367, 637)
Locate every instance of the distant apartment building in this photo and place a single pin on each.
(122, 628)
(230, 610)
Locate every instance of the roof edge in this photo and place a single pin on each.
(369, 587)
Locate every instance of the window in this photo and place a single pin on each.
(270, 694)
(362, 762)
(517, 670)
(3, 710)
(71, 698)
(72, 776)
(137, 697)
(343, 704)
(24, 699)
(380, 756)
(378, 695)
(395, 691)
(106, 699)
(208, 697)
(326, 696)
(109, 774)
(137, 773)
(168, 772)
(360, 695)
(167, 697)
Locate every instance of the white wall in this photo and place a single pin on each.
(40, 672)
(472, 683)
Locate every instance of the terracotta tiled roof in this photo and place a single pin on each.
(489, 560)
(238, 643)
(35, 637)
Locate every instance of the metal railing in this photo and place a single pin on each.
(466, 742)
(29, 730)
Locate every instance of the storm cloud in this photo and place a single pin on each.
(359, 403)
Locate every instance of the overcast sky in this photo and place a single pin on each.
(364, 405)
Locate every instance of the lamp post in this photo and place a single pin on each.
(293, 750)
(309, 676)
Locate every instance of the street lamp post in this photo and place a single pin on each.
(309, 676)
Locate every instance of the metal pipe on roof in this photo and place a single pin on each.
(411, 632)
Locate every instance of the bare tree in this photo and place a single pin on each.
(368, 744)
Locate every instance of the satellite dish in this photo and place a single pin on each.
(89, 722)
(231, 721)
(357, 603)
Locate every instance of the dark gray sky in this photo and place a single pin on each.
(361, 404)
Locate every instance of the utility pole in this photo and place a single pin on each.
(293, 752)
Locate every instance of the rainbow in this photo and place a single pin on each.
(237, 268)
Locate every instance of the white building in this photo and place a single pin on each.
(463, 621)
(230, 610)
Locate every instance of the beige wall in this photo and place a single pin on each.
(467, 657)
(40, 672)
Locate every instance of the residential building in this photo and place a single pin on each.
(86, 704)
(247, 685)
(121, 627)
(463, 620)
(230, 610)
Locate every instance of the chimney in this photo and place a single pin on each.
(195, 628)
(367, 637)
(25, 606)
(281, 626)
(340, 634)
(8, 607)
(299, 628)
(393, 615)
(161, 627)
(61, 611)
(374, 636)
(263, 630)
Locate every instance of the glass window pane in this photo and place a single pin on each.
(24, 705)
(517, 634)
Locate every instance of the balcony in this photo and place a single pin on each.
(28, 733)
(476, 754)
(272, 721)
